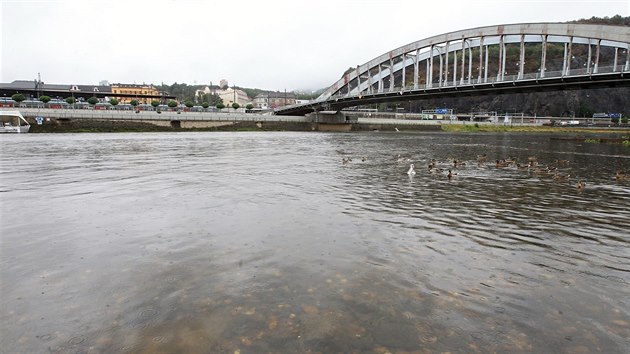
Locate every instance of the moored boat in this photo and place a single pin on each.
(13, 122)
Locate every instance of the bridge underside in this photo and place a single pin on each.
(486, 61)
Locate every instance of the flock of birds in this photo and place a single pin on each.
(532, 166)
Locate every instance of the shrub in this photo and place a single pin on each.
(18, 97)
(133, 102)
(92, 100)
(44, 99)
(172, 103)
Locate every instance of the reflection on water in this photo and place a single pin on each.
(267, 242)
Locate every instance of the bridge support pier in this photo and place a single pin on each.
(332, 121)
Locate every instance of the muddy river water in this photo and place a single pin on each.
(259, 242)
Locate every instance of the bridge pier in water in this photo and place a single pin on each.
(333, 121)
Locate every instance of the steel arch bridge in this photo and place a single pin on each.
(497, 59)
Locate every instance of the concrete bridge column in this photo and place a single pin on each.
(370, 80)
(454, 68)
(430, 71)
(522, 58)
(441, 65)
(446, 61)
(566, 67)
(480, 58)
(500, 68)
(391, 74)
(588, 60)
(404, 67)
(543, 58)
(380, 78)
(416, 70)
(485, 67)
(463, 59)
(469, 64)
(426, 79)
(596, 67)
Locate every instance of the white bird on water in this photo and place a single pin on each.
(411, 171)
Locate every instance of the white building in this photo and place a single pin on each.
(231, 95)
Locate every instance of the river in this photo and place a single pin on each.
(267, 242)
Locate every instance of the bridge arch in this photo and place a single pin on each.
(462, 57)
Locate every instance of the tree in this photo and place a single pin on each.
(220, 105)
(69, 100)
(624, 120)
(205, 105)
(189, 103)
(133, 102)
(113, 101)
(18, 97)
(172, 103)
(92, 100)
(249, 106)
(155, 103)
(235, 105)
(44, 99)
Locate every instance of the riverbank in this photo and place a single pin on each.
(114, 126)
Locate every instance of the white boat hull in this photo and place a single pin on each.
(13, 122)
(14, 129)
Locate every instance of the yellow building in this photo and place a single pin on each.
(142, 93)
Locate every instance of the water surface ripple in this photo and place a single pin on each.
(267, 242)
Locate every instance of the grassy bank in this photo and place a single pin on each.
(532, 129)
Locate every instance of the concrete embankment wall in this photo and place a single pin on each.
(66, 120)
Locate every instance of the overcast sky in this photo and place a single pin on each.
(272, 44)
